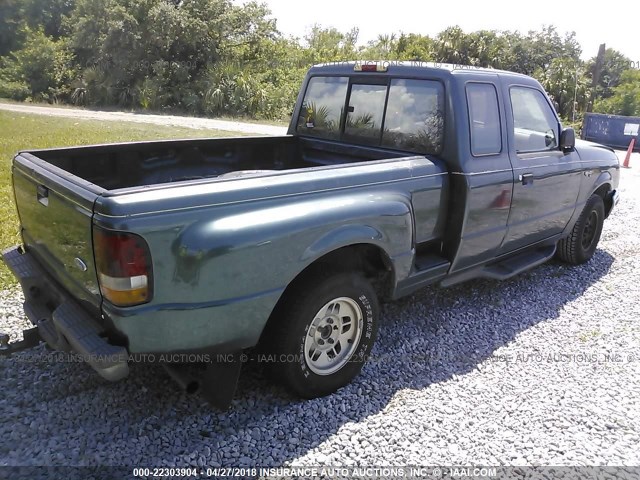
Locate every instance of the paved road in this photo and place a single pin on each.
(166, 120)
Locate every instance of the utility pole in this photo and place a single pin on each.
(597, 71)
(575, 98)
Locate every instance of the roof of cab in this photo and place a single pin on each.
(410, 67)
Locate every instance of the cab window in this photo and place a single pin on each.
(401, 114)
(484, 119)
(535, 125)
(365, 113)
(321, 111)
(415, 116)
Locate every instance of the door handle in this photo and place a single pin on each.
(42, 194)
(526, 179)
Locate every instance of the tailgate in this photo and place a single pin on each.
(56, 210)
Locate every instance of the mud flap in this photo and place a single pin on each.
(220, 380)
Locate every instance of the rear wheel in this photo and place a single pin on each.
(322, 333)
(581, 244)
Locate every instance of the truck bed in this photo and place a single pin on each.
(130, 165)
(59, 191)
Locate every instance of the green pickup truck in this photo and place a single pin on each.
(392, 176)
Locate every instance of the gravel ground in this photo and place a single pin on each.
(168, 120)
(538, 370)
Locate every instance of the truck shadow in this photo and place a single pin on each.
(428, 338)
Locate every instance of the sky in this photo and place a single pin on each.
(612, 24)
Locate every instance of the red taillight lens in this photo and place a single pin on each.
(371, 67)
(124, 267)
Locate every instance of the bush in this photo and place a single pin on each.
(625, 99)
(41, 69)
(14, 90)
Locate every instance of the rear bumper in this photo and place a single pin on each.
(61, 321)
(164, 331)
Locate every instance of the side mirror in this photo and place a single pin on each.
(567, 139)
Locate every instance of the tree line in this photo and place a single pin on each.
(213, 57)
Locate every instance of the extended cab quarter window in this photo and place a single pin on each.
(401, 114)
(321, 111)
(535, 125)
(484, 119)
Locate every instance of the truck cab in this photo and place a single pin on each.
(515, 179)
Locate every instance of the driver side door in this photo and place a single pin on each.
(546, 179)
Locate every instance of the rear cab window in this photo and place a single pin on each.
(365, 113)
(321, 111)
(395, 113)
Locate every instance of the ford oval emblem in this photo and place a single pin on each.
(80, 264)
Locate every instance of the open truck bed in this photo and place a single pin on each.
(143, 164)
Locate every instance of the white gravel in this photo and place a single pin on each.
(543, 369)
(197, 123)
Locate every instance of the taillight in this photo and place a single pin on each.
(371, 67)
(124, 268)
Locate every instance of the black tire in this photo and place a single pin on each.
(581, 244)
(290, 324)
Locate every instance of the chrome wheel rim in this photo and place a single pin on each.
(333, 336)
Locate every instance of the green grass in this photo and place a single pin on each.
(19, 131)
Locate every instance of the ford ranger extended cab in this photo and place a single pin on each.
(391, 177)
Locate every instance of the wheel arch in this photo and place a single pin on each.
(369, 259)
(601, 187)
(603, 191)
